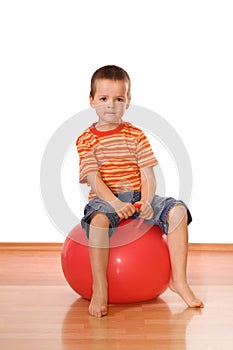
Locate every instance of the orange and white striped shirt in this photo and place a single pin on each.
(118, 155)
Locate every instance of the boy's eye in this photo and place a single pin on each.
(103, 99)
(119, 99)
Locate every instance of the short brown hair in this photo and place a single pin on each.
(110, 72)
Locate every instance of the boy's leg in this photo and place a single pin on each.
(178, 247)
(99, 254)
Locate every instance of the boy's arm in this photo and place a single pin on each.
(148, 188)
(148, 184)
(123, 209)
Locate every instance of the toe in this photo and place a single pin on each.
(104, 310)
(200, 304)
(196, 303)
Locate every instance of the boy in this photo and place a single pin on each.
(117, 162)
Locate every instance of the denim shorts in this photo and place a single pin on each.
(160, 205)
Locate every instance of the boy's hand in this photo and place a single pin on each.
(146, 211)
(123, 209)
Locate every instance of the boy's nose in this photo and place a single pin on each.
(111, 104)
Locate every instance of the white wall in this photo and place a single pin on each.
(179, 56)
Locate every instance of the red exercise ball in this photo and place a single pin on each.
(139, 269)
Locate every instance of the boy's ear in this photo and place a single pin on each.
(128, 103)
(91, 101)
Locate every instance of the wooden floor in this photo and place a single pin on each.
(38, 310)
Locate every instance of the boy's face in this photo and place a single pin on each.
(110, 101)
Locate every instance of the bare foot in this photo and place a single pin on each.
(98, 305)
(185, 293)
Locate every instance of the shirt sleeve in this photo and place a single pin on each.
(87, 160)
(145, 154)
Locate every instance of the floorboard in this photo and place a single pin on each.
(40, 311)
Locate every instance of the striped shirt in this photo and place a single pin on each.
(118, 155)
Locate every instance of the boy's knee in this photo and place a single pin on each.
(100, 220)
(98, 233)
(178, 210)
(177, 214)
